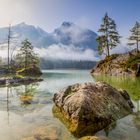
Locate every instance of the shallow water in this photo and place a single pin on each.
(19, 119)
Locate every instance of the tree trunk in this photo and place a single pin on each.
(108, 53)
(9, 37)
(8, 55)
(137, 40)
(107, 46)
(138, 70)
(26, 60)
(137, 46)
(26, 57)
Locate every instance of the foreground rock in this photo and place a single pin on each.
(90, 107)
(119, 64)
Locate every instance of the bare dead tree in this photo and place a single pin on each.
(10, 50)
(9, 39)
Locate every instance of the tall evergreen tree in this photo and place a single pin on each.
(26, 58)
(134, 39)
(109, 37)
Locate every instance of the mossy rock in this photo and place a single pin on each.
(31, 71)
(119, 64)
(77, 106)
(26, 99)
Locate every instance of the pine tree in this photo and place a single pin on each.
(26, 58)
(109, 37)
(134, 39)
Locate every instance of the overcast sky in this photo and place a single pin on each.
(49, 14)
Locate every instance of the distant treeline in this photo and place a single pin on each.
(66, 64)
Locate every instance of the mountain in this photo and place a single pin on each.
(67, 34)
(68, 46)
(70, 33)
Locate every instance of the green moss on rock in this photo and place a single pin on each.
(119, 64)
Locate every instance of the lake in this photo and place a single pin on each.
(26, 109)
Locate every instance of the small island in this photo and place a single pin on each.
(21, 68)
(127, 64)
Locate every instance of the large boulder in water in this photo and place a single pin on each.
(89, 107)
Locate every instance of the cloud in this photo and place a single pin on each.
(4, 50)
(63, 52)
(67, 53)
(78, 35)
(73, 32)
(3, 53)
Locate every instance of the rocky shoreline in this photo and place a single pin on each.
(18, 80)
(119, 65)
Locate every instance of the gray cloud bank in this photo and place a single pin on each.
(62, 52)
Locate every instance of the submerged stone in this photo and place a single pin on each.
(90, 107)
(43, 133)
(93, 138)
(26, 99)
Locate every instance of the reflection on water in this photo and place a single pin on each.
(128, 127)
(26, 96)
(25, 109)
(109, 128)
(8, 104)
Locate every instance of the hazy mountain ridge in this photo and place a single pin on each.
(66, 64)
(67, 34)
(68, 46)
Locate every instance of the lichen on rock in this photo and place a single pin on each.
(119, 64)
(89, 107)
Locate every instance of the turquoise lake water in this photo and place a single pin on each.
(19, 119)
